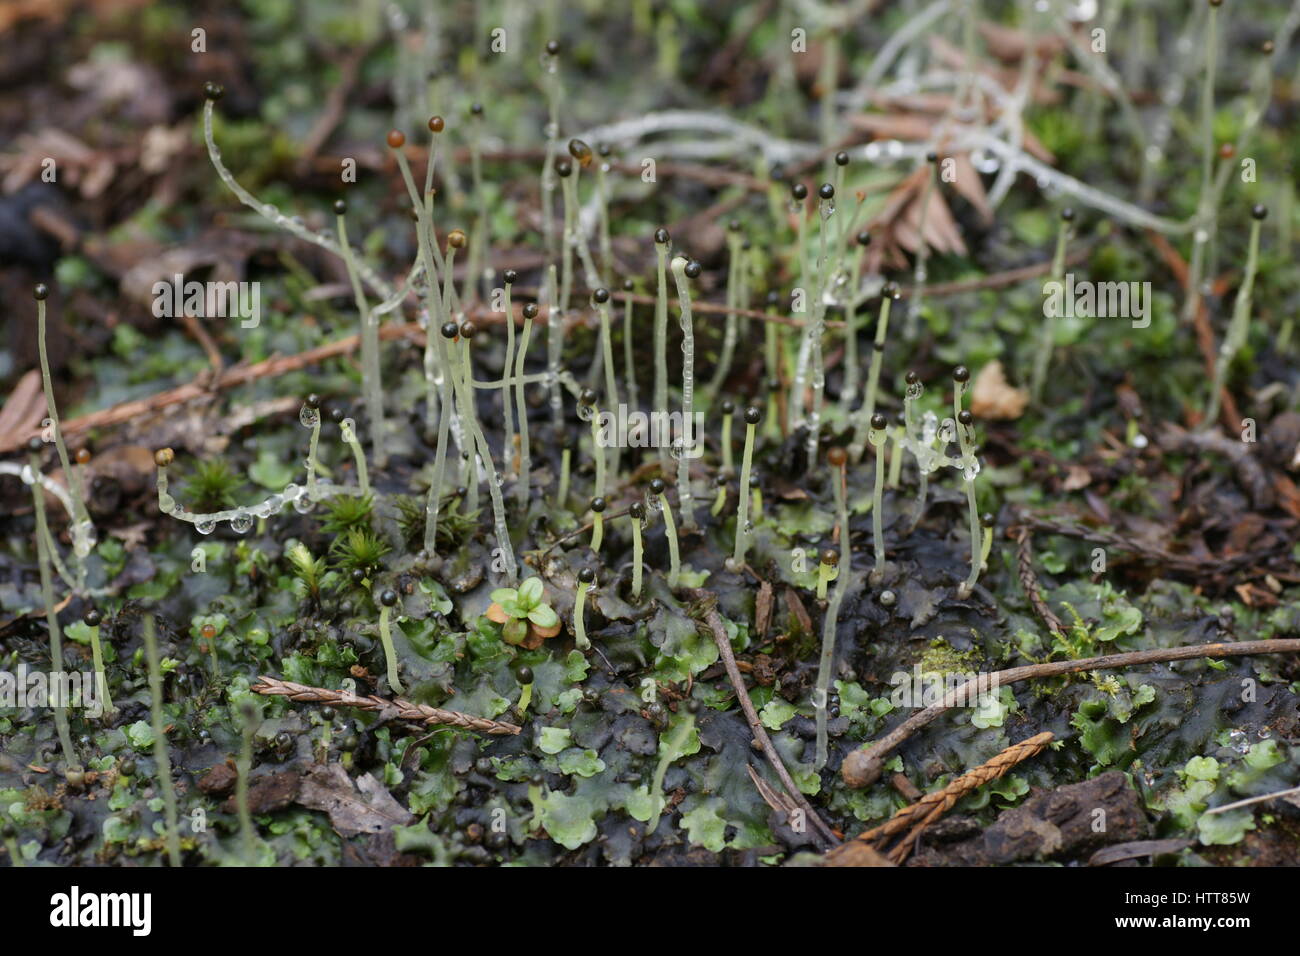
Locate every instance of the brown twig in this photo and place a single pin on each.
(714, 621)
(238, 375)
(205, 341)
(1177, 562)
(1200, 320)
(916, 817)
(335, 105)
(1000, 279)
(1029, 580)
(863, 767)
(396, 709)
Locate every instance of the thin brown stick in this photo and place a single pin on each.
(200, 335)
(335, 105)
(863, 767)
(1029, 580)
(1183, 563)
(238, 375)
(999, 279)
(720, 638)
(398, 708)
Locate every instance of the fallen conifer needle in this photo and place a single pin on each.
(916, 817)
(398, 708)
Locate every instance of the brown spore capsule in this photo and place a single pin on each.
(581, 152)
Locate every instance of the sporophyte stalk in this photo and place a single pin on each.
(586, 581)
(1043, 358)
(387, 601)
(369, 341)
(752, 417)
(683, 270)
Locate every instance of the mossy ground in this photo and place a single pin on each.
(1190, 736)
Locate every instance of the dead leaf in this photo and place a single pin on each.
(967, 182)
(1076, 478)
(1009, 43)
(994, 398)
(23, 410)
(133, 535)
(855, 853)
(366, 808)
(219, 780)
(1288, 495)
(797, 611)
(267, 793)
(763, 609)
(79, 165)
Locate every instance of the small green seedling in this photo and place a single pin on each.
(523, 611)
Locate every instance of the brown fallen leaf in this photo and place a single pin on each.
(219, 780)
(1076, 478)
(798, 612)
(1010, 43)
(267, 793)
(79, 165)
(1288, 494)
(968, 184)
(855, 853)
(994, 398)
(367, 807)
(897, 226)
(763, 609)
(23, 409)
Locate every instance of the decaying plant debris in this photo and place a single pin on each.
(761, 434)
